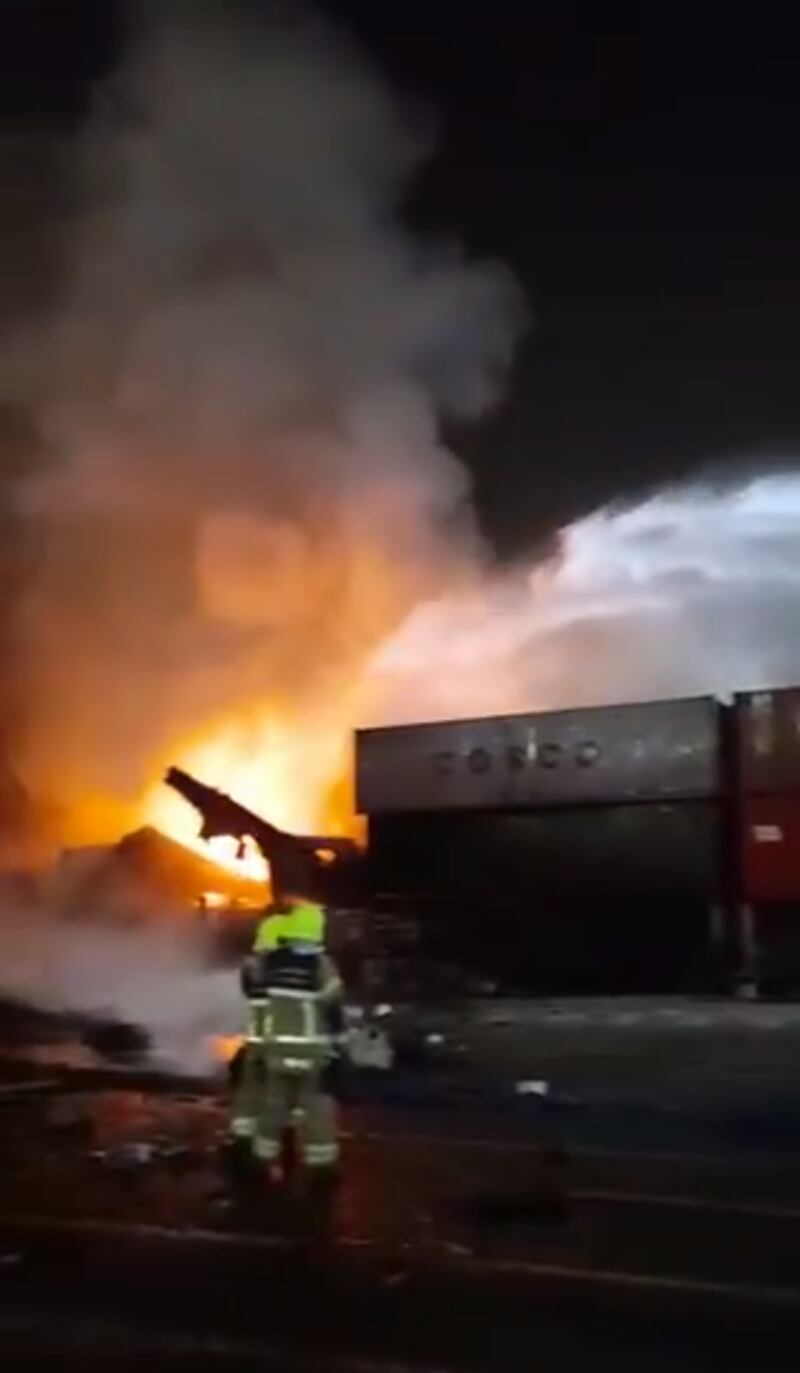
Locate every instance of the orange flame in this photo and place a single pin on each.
(241, 857)
(293, 773)
(225, 1047)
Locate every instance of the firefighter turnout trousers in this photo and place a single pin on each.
(297, 1051)
(294, 1097)
(282, 1080)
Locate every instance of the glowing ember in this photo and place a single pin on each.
(225, 1047)
(214, 900)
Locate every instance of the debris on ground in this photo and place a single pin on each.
(369, 1047)
(129, 1155)
(532, 1087)
(499, 1020)
(13, 1092)
(117, 1040)
(69, 1116)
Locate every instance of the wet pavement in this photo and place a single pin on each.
(599, 1224)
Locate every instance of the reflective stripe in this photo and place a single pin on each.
(331, 988)
(320, 1155)
(243, 1127)
(259, 1022)
(301, 1039)
(293, 994)
(297, 1065)
(266, 1149)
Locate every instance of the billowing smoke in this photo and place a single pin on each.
(233, 485)
(150, 976)
(694, 590)
(242, 533)
(239, 388)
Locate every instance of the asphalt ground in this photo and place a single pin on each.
(622, 1219)
(438, 1250)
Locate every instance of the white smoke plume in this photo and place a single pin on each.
(692, 591)
(240, 387)
(155, 976)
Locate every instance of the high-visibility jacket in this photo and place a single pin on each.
(302, 923)
(295, 1004)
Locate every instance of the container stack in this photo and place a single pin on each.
(575, 850)
(767, 781)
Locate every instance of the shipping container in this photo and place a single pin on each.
(768, 741)
(770, 855)
(661, 750)
(617, 899)
(776, 947)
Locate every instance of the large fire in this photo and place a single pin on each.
(294, 774)
(237, 484)
(627, 609)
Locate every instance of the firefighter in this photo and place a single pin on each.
(294, 994)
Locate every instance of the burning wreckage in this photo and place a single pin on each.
(199, 911)
(328, 868)
(642, 848)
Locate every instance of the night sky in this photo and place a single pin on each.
(641, 182)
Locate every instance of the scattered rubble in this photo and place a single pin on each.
(532, 1087)
(13, 1092)
(370, 1048)
(116, 1039)
(128, 1155)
